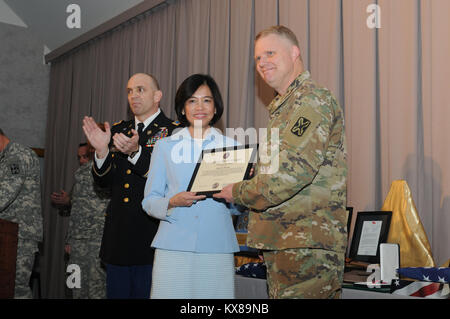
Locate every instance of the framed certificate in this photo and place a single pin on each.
(219, 167)
(371, 229)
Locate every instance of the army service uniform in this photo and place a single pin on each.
(87, 218)
(129, 231)
(298, 198)
(20, 202)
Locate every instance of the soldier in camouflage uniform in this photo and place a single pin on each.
(20, 202)
(86, 222)
(62, 199)
(298, 212)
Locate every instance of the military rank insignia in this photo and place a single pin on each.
(161, 134)
(300, 126)
(14, 169)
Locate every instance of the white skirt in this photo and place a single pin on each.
(187, 275)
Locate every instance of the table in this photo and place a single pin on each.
(356, 293)
(255, 288)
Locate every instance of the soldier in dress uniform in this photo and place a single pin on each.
(298, 215)
(20, 202)
(122, 159)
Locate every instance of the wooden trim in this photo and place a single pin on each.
(131, 13)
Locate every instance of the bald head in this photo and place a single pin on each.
(147, 77)
(144, 95)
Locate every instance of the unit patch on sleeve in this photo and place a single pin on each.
(14, 169)
(301, 126)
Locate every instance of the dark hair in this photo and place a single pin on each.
(82, 144)
(1, 132)
(188, 88)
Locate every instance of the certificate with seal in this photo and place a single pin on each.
(219, 167)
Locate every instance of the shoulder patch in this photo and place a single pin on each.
(176, 123)
(117, 123)
(14, 169)
(300, 126)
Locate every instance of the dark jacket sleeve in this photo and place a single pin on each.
(104, 176)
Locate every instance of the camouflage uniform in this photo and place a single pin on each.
(298, 213)
(20, 202)
(86, 222)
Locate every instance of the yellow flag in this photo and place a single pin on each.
(406, 228)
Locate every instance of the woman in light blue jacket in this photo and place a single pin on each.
(196, 241)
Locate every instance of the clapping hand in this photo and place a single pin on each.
(125, 144)
(96, 137)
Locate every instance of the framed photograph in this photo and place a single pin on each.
(219, 167)
(371, 229)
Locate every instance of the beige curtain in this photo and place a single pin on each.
(433, 187)
(361, 100)
(392, 83)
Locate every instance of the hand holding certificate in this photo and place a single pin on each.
(220, 167)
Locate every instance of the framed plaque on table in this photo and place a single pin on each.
(371, 229)
(219, 167)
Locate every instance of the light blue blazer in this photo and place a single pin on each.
(205, 227)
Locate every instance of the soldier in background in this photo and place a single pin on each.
(20, 202)
(86, 222)
(86, 204)
(62, 199)
(298, 212)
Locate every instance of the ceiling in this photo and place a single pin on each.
(47, 18)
